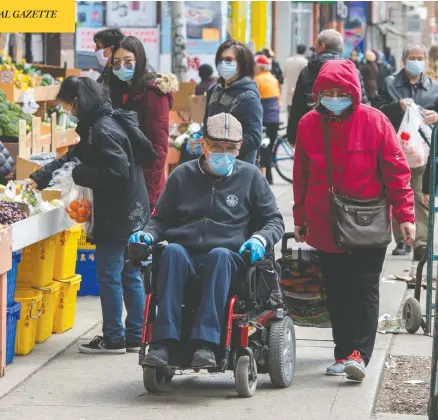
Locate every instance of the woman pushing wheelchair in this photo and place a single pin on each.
(212, 210)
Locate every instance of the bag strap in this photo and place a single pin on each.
(327, 155)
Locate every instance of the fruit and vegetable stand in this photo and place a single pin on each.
(38, 280)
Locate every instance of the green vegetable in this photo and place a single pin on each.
(4, 120)
(3, 108)
(2, 95)
(1, 131)
(11, 130)
(27, 117)
(15, 108)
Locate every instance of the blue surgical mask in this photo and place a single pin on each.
(71, 117)
(125, 74)
(227, 70)
(336, 105)
(221, 163)
(415, 67)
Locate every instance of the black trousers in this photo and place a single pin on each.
(266, 152)
(352, 281)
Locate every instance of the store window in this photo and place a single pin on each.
(302, 24)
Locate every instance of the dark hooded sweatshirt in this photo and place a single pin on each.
(302, 99)
(109, 141)
(242, 100)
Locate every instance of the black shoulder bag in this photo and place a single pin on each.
(356, 224)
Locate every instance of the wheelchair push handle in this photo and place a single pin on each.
(286, 237)
(138, 253)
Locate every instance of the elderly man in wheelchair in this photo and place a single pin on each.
(207, 213)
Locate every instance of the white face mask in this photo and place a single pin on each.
(100, 57)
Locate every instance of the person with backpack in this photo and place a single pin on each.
(236, 93)
(110, 153)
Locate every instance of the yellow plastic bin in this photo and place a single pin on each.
(45, 321)
(27, 325)
(65, 306)
(84, 244)
(66, 253)
(37, 262)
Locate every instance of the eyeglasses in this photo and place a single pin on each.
(218, 149)
(339, 95)
(227, 60)
(128, 65)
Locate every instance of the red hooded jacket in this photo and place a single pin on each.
(366, 159)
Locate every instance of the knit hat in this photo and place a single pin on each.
(262, 60)
(224, 127)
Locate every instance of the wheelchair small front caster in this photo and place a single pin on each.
(245, 377)
(156, 378)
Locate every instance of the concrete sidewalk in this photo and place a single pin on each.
(55, 381)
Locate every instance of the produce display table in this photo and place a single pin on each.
(5, 266)
(16, 237)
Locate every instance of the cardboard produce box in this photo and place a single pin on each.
(181, 97)
(197, 108)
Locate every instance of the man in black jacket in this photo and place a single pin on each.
(105, 41)
(211, 211)
(410, 84)
(329, 47)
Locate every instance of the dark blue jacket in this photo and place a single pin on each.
(200, 211)
(242, 100)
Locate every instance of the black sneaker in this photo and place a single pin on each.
(133, 346)
(203, 357)
(98, 345)
(419, 252)
(402, 249)
(158, 355)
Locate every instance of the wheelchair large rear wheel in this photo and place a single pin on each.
(155, 378)
(246, 383)
(282, 352)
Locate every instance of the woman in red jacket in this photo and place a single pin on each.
(367, 162)
(134, 87)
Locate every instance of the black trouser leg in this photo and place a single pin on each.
(333, 271)
(352, 281)
(271, 133)
(366, 267)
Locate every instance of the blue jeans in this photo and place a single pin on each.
(216, 268)
(119, 283)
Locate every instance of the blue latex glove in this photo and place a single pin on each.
(256, 247)
(193, 150)
(141, 238)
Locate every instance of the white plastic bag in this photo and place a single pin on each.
(413, 145)
(78, 201)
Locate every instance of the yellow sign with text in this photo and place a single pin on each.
(37, 16)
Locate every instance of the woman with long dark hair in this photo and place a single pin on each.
(134, 87)
(236, 93)
(109, 152)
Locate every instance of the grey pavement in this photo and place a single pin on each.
(55, 381)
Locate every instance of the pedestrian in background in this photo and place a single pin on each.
(410, 84)
(390, 59)
(275, 65)
(292, 69)
(236, 93)
(354, 58)
(367, 162)
(432, 63)
(207, 79)
(329, 47)
(134, 87)
(269, 89)
(370, 75)
(105, 41)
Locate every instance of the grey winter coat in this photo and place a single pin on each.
(201, 212)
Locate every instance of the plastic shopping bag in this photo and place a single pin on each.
(77, 200)
(413, 145)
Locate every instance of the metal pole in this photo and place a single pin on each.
(433, 399)
(179, 40)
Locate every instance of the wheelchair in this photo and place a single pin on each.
(258, 336)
